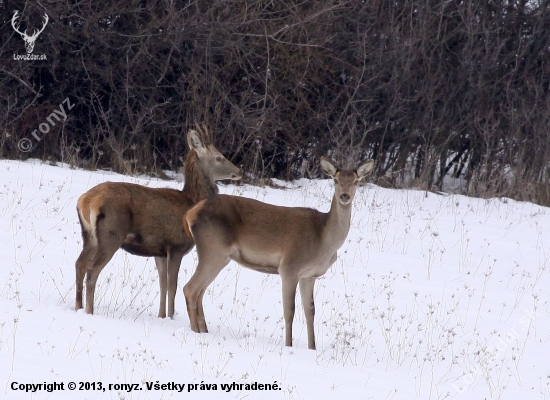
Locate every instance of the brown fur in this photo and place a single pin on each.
(186, 225)
(146, 222)
(297, 243)
(198, 186)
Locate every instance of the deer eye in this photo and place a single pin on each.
(355, 182)
(219, 158)
(335, 180)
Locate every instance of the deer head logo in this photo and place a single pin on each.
(29, 40)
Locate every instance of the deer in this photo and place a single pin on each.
(147, 222)
(29, 39)
(299, 244)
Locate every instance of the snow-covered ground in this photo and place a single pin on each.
(432, 297)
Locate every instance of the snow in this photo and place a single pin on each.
(432, 297)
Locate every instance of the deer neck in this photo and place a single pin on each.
(338, 223)
(198, 183)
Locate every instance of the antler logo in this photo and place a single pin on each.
(29, 40)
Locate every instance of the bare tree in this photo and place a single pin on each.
(430, 89)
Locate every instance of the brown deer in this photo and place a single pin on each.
(146, 221)
(299, 244)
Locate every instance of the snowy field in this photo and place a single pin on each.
(432, 297)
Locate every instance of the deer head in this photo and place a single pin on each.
(29, 40)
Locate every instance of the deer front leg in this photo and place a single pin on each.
(174, 263)
(162, 268)
(306, 293)
(289, 299)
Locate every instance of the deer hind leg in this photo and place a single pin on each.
(103, 256)
(81, 266)
(200, 311)
(210, 265)
(162, 268)
(289, 304)
(306, 293)
(109, 240)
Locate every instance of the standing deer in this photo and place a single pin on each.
(299, 244)
(147, 222)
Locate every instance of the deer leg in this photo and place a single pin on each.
(104, 254)
(81, 265)
(289, 305)
(210, 265)
(174, 262)
(306, 293)
(92, 275)
(162, 268)
(200, 311)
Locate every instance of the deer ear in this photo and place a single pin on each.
(365, 168)
(195, 143)
(328, 167)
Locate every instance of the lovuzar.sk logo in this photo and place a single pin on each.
(28, 39)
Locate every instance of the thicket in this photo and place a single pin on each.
(429, 88)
